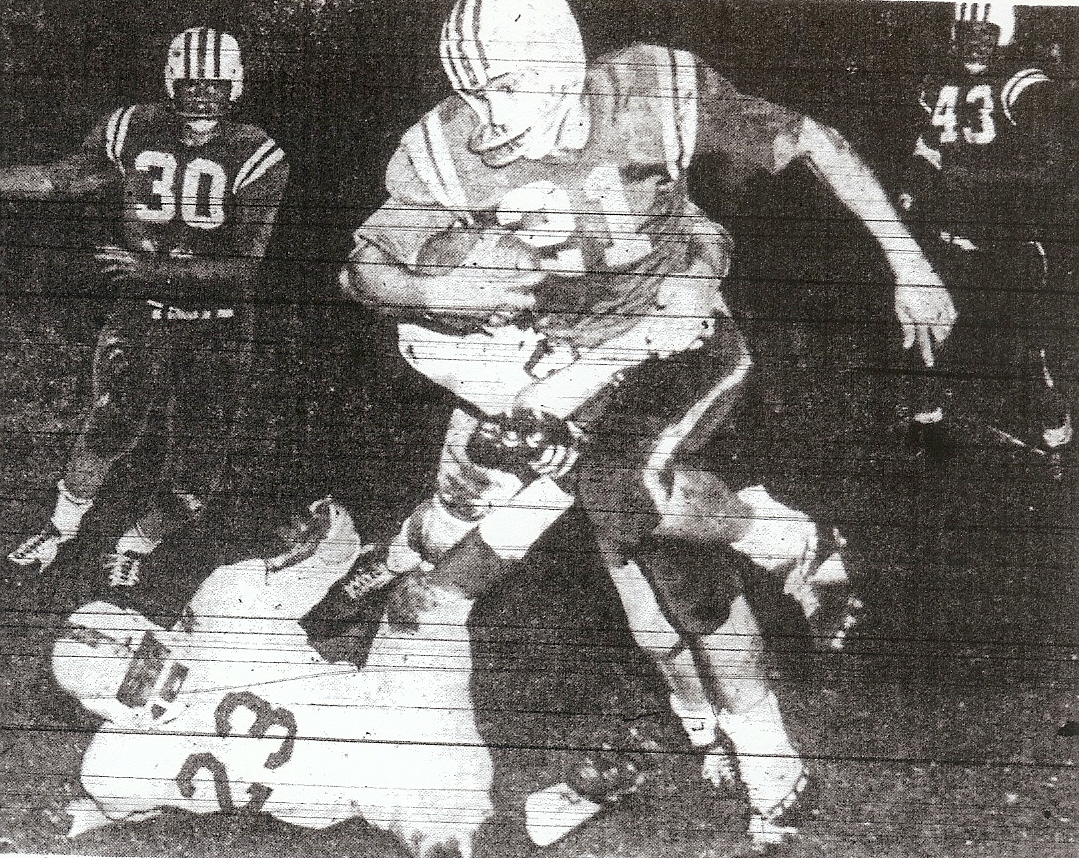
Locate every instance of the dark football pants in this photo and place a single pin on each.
(1008, 343)
(659, 421)
(172, 386)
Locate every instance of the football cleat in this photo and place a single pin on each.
(40, 548)
(823, 587)
(610, 774)
(123, 569)
(526, 445)
(369, 574)
(769, 767)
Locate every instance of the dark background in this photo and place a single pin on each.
(945, 730)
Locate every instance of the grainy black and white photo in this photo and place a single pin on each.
(527, 428)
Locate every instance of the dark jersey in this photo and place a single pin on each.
(217, 200)
(608, 221)
(990, 153)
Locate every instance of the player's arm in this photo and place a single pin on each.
(73, 176)
(254, 216)
(456, 271)
(923, 305)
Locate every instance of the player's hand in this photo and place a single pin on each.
(122, 264)
(925, 311)
(496, 280)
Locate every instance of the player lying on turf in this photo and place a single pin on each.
(232, 709)
(200, 196)
(543, 258)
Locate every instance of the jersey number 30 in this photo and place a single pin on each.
(199, 196)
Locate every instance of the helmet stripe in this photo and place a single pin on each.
(481, 54)
(188, 37)
(196, 54)
(215, 69)
(451, 59)
(470, 60)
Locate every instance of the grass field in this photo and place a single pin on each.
(943, 732)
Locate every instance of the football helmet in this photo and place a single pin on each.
(113, 661)
(979, 30)
(520, 65)
(204, 73)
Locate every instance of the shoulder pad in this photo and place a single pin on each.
(668, 78)
(1016, 85)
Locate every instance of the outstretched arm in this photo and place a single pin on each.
(922, 304)
(73, 176)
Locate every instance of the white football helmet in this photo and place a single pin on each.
(204, 54)
(980, 29)
(519, 64)
(112, 660)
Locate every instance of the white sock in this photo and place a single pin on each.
(69, 511)
(135, 541)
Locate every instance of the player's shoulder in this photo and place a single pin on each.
(643, 68)
(433, 162)
(128, 122)
(1024, 82)
(253, 152)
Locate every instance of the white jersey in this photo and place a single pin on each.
(234, 709)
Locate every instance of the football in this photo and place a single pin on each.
(497, 250)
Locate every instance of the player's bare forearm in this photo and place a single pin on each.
(375, 278)
(836, 163)
(922, 304)
(26, 183)
(72, 177)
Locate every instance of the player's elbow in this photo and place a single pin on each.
(373, 279)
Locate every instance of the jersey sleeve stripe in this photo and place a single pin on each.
(665, 93)
(116, 133)
(110, 134)
(1016, 86)
(442, 160)
(685, 101)
(257, 164)
(275, 157)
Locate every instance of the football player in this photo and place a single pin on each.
(232, 710)
(545, 263)
(200, 196)
(986, 186)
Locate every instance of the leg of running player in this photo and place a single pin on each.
(113, 424)
(206, 361)
(656, 529)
